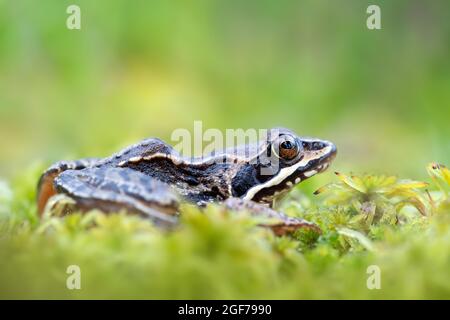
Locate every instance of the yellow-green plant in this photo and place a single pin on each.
(375, 198)
(440, 175)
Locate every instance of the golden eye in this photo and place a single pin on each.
(286, 147)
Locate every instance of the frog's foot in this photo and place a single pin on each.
(281, 225)
(116, 189)
(46, 187)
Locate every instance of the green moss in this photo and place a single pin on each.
(217, 254)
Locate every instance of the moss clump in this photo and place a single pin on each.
(403, 227)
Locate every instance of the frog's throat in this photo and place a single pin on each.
(287, 172)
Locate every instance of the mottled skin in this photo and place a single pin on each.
(151, 178)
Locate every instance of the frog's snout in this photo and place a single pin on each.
(324, 153)
(333, 150)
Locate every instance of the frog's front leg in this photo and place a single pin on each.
(282, 224)
(115, 189)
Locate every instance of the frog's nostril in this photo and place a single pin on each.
(317, 145)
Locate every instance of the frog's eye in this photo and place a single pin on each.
(286, 147)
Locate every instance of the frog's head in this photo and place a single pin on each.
(283, 160)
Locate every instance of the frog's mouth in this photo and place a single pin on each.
(312, 163)
(317, 162)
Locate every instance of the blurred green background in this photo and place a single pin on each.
(144, 68)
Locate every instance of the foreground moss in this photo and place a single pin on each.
(220, 254)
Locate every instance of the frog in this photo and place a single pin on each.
(153, 180)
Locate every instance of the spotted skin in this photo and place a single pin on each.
(150, 178)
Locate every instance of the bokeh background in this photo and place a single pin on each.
(144, 68)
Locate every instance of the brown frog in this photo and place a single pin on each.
(150, 178)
